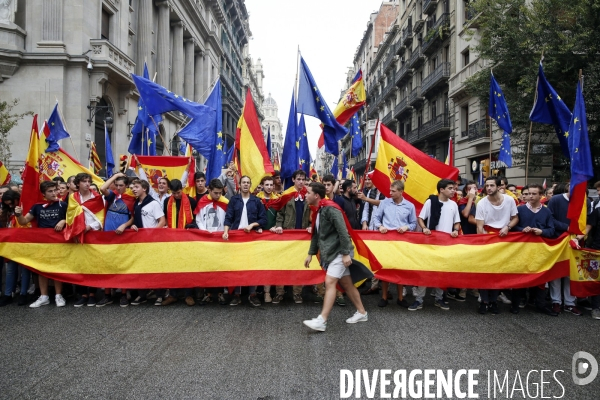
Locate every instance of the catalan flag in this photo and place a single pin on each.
(95, 163)
(398, 160)
(4, 175)
(582, 168)
(249, 142)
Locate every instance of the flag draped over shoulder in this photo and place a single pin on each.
(498, 111)
(581, 165)
(4, 175)
(398, 160)
(57, 130)
(302, 144)
(277, 202)
(356, 136)
(311, 102)
(352, 100)
(170, 167)
(254, 160)
(198, 132)
(75, 226)
(218, 156)
(144, 131)
(549, 108)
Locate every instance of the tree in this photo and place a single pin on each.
(7, 121)
(513, 35)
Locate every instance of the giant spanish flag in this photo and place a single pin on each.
(170, 167)
(352, 100)
(41, 166)
(4, 175)
(398, 160)
(253, 157)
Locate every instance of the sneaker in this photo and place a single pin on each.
(91, 301)
(151, 295)
(358, 317)
(124, 302)
(441, 304)
(206, 299)
(277, 299)
(23, 300)
(493, 307)
(190, 301)
(556, 308)
(479, 299)
(417, 305)
(341, 301)
(463, 293)
(298, 298)
(139, 300)
(596, 313)
(483, 309)
(522, 303)
(106, 300)
(548, 311)
(169, 300)
(382, 302)
(235, 300)
(254, 301)
(59, 300)
(403, 303)
(573, 310)
(370, 291)
(474, 292)
(31, 289)
(502, 297)
(41, 301)
(585, 304)
(456, 296)
(318, 299)
(317, 324)
(81, 302)
(157, 302)
(268, 298)
(222, 300)
(5, 300)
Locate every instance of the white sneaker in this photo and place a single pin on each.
(31, 288)
(358, 317)
(403, 291)
(479, 299)
(502, 297)
(60, 300)
(268, 298)
(41, 301)
(318, 324)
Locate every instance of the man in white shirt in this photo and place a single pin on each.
(442, 215)
(496, 213)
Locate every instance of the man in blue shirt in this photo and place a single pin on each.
(398, 214)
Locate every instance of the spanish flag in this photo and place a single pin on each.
(277, 203)
(352, 100)
(185, 216)
(189, 187)
(170, 167)
(398, 160)
(4, 175)
(75, 213)
(250, 143)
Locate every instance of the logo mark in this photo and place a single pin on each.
(584, 363)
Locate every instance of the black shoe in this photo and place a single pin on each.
(382, 303)
(105, 301)
(493, 307)
(514, 310)
(81, 302)
(91, 301)
(5, 300)
(483, 308)
(23, 300)
(403, 303)
(585, 304)
(138, 300)
(370, 291)
(547, 310)
(123, 302)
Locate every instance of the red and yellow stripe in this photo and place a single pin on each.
(4, 175)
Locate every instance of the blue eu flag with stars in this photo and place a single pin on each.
(218, 155)
(303, 151)
(356, 136)
(57, 130)
(582, 168)
(498, 111)
(289, 158)
(144, 131)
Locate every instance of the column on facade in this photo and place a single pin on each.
(52, 25)
(144, 37)
(188, 83)
(198, 71)
(206, 78)
(163, 36)
(177, 66)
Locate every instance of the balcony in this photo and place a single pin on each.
(429, 6)
(387, 119)
(388, 88)
(419, 23)
(456, 83)
(108, 56)
(416, 59)
(391, 58)
(403, 74)
(440, 123)
(415, 97)
(401, 108)
(436, 33)
(479, 132)
(407, 36)
(471, 19)
(437, 78)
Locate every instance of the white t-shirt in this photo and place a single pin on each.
(244, 219)
(151, 213)
(448, 217)
(496, 216)
(211, 219)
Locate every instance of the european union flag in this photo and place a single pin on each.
(335, 171)
(229, 153)
(289, 158)
(144, 131)
(110, 161)
(311, 102)
(356, 136)
(498, 110)
(182, 147)
(218, 156)
(344, 166)
(199, 131)
(269, 141)
(549, 108)
(303, 151)
(57, 130)
(582, 168)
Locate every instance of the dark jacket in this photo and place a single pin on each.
(254, 208)
(286, 217)
(350, 207)
(332, 237)
(559, 206)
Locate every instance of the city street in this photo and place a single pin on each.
(224, 352)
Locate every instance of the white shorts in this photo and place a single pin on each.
(337, 269)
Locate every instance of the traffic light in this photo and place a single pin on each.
(485, 167)
(123, 163)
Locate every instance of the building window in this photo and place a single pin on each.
(464, 121)
(466, 57)
(105, 28)
(433, 109)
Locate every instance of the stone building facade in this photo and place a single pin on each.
(273, 124)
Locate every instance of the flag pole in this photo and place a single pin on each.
(161, 136)
(531, 127)
(490, 152)
(66, 127)
(297, 73)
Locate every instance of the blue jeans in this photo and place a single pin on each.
(11, 278)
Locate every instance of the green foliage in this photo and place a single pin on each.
(7, 121)
(513, 35)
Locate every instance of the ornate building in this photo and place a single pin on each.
(273, 123)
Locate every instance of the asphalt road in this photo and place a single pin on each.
(224, 352)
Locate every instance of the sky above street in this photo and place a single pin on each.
(328, 33)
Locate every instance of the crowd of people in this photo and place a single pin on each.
(227, 203)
